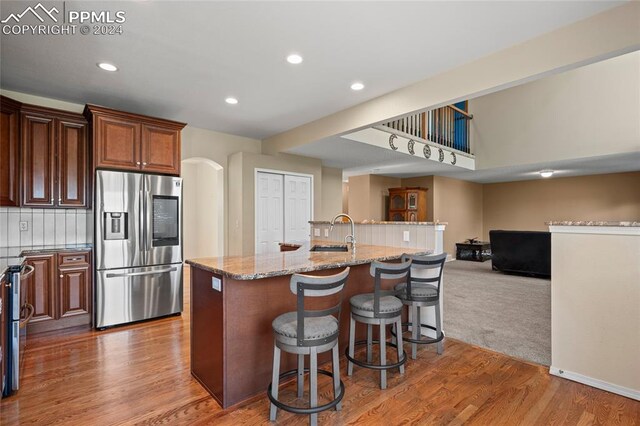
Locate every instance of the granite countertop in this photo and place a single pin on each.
(375, 222)
(592, 223)
(298, 261)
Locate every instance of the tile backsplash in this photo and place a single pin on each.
(45, 226)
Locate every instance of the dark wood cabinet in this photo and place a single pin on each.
(55, 156)
(38, 160)
(116, 143)
(408, 204)
(160, 150)
(126, 141)
(74, 291)
(60, 289)
(41, 287)
(73, 163)
(9, 152)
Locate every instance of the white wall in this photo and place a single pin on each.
(589, 111)
(203, 208)
(595, 306)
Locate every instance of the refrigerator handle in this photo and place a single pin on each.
(142, 219)
(149, 215)
(140, 274)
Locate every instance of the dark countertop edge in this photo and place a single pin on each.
(55, 249)
(380, 222)
(593, 223)
(251, 277)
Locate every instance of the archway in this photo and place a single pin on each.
(203, 208)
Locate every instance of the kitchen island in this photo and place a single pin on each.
(234, 299)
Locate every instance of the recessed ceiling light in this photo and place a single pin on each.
(107, 66)
(546, 173)
(357, 86)
(294, 59)
(231, 101)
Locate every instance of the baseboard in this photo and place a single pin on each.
(596, 383)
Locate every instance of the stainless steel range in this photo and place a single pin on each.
(138, 247)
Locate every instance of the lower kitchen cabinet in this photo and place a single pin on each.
(74, 291)
(41, 287)
(60, 290)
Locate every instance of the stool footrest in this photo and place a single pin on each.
(376, 366)
(303, 410)
(423, 340)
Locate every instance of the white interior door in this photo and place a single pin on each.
(297, 208)
(269, 214)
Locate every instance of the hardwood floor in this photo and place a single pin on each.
(139, 374)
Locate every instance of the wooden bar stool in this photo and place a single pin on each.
(309, 332)
(378, 308)
(422, 291)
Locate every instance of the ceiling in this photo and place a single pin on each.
(180, 60)
(356, 158)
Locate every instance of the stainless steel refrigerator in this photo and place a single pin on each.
(138, 247)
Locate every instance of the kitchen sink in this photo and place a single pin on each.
(334, 247)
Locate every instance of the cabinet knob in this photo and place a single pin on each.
(137, 163)
(61, 276)
(144, 164)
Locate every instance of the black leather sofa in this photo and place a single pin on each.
(521, 252)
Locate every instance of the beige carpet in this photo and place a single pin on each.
(506, 313)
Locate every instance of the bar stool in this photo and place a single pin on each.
(378, 308)
(421, 291)
(309, 332)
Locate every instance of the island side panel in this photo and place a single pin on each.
(251, 306)
(207, 326)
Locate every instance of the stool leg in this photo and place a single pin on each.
(399, 342)
(383, 355)
(300, 375)
(352, 344)
(414, 330)
(369, 343)
(313, 384)
(419, 317)
(336, 375)
(440, 344)
(275, 381)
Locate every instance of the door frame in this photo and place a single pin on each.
(255, 198)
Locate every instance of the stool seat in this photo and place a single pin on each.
(362, 304)
(314, 328)
(424, 291)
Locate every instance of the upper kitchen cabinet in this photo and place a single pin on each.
(55, 158)
(126, 141)
(9, 152)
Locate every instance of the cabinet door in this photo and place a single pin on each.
(72, 163)
(41, 287)
(412, 200)
(160, 150)
(75, 291)
(38, 160)
(397, 216)
(116, 143)
(397, 201)
(9, 153)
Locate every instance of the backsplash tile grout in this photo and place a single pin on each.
(45, 226)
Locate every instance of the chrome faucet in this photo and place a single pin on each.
(351, 237)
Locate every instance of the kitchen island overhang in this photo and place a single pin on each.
(234, 300)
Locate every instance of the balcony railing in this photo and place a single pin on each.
(447, 126)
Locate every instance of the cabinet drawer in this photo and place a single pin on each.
(73, 258)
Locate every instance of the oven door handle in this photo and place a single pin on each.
(25, 275)
(32, 310)
(138, 274)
